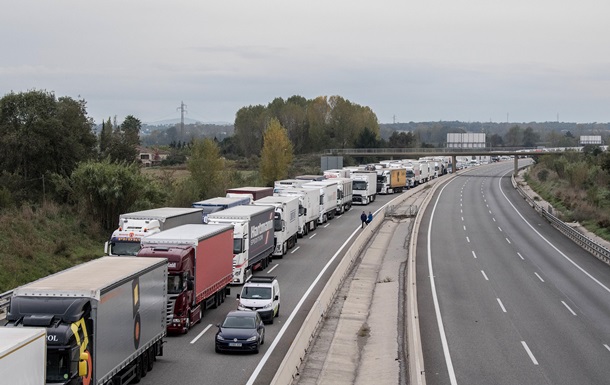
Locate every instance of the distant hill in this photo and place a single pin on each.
(171, 122)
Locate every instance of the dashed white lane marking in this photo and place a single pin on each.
(529, 352)
(484, 275)
(295, 249)
(508, 240)
(499, 228)
(273, 268)
(473, 254)
(539, 277)
(314, 234)
(501, 305)
(607, 347)
(468, 239)
(201, 334)
(520, 256)
(567, 307)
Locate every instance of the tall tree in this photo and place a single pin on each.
(514, 136)
(250, 125)
(530, 137)
(42, 135)
(277, 153)
(207, 168)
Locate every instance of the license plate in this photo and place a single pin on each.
(235, 344)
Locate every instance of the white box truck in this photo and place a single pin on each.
(23, 356)
(125, 240)
(105, 319)
(344, 194)
(309, 207)
(285, 223)
(328, 198)
(364, 187)
(253, 237)
(220, 203)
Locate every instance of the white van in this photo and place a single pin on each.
(261, 294)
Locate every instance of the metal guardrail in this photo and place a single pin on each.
(5, 301)
(594, 248)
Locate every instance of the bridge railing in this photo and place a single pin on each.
(597, 250)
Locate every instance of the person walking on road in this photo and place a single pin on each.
(369, 219)
(363, 219)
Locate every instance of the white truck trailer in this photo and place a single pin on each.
(309, 207)
(285, 223)
(344, 194)
(23, 356)
(364, 187)
(253, 237)
(125, 240)
(328, 198)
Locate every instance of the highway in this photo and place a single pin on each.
(503, 297)
(190, 358)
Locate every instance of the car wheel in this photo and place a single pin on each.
(217, 350)
(277, 314)
(257, 349)
(263, 338)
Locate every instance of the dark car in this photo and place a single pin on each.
(240, 331)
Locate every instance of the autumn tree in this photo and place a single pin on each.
(207, 168)
(277, 153)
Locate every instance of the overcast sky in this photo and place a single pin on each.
(468, 60)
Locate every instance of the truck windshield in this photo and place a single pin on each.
(174, 284)
(58, 366)
(256, 293)
(359, 185)
(125, 248)
(410, 174)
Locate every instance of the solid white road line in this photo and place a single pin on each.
(484, 275)
(297, 308)
(567, 307)
(539, 277)
(437, 308)
(201, 334)
(273, 268)
(501, 305)
(295, 249)
(529, 352)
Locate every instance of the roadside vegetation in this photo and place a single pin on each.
(577, 185)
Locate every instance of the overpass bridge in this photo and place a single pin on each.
(416, 153)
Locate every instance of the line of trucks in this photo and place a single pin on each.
(104, 321)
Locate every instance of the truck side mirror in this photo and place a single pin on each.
(189, 284)
(276, 298)
(83, 365)
(237, 295)
(106, 247)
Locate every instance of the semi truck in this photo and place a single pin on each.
(104, 319)
(255, 193)
(413, 174)
(200, 268)
(364, 187)
(220, 203)
(125, 240)
(336, 173)
(286, 221)
(288, 183)
(309, 207)
(253, 237)
(328, 198)
(23, 355)
(344, 194)
(391, 180)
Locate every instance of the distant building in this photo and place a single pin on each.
(149, 157)
(590, 139)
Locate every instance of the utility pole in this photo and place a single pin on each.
(394, 117)
(182, 109)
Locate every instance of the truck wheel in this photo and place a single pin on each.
(137, 370)
(144, 366)
(151, 358)
(187, 324)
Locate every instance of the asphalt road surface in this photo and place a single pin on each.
(503, 297)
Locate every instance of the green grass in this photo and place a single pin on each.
(34, 244)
